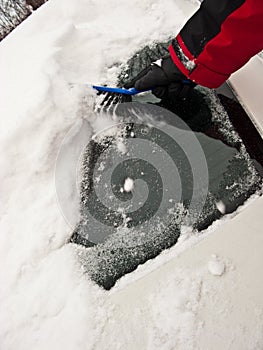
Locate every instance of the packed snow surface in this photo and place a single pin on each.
(46, 67)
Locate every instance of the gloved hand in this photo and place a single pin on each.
(164, 79)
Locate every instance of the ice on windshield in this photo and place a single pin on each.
(163, 166)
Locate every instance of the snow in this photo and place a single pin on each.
(221, 207)
(121, 146)
(46, 66)
(184, 302)
(216, 266)
(128, 184)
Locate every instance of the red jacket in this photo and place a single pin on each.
(218, 39)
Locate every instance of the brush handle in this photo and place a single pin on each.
(122, 91)
(131, 91)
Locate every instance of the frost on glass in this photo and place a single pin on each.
(123, 244)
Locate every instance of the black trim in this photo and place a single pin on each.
(206, 23)
(246, 130)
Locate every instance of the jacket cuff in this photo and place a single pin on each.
(192, 68)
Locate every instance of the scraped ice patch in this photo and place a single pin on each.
(128, 185)
(216, 266)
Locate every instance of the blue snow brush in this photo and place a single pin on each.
(122, 91)
(114, 95)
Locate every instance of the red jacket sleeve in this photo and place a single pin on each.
(218, 39)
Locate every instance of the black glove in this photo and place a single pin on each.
(164, 79)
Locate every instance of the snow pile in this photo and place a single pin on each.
(45, 302)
